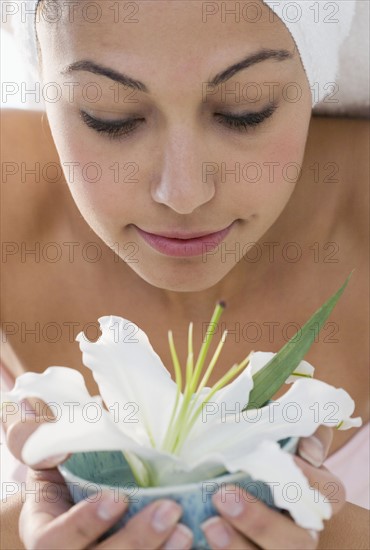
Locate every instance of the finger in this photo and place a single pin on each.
(315, 448)
(324, 481)
(265, 527)
(46, 496)
(20, 421)
(148, 529)
(77, 528)
(180, 539)
(13, 412)
(220, 534)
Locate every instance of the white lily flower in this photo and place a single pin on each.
(183, 436)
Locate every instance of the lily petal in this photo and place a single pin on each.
(54, 385)
(304, 369)
(307, 404)
(64, 388)
(75, 433)
(290, 488)
(82, 430)
(236, 393)
(128, 370)
(258, 360)
(350, 423)
(231, 398)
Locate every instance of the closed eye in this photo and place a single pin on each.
(116, 129)
(243, 123)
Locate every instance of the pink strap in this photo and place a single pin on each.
(351, 464)
(13, 472)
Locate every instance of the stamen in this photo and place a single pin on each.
(233, 371)
(178, 378)
(175, 360)
(212, 362)
(205, 345)
(189, 362)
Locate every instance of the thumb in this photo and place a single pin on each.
(314, 449)
(20, 421)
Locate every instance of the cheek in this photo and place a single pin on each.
(269, 174)
(289, 144)
(102, 183)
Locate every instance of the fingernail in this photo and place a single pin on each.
(180, 539)
(24, 403)
(166, 515)
(217, 532)
(52, 461)
(110, 506)
(312, 450)
(229, 503)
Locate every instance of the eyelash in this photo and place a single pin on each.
(113, 129)
(119, 129)
(245, 122)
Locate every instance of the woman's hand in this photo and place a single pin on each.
(52, 525)
(247, 523)
(49, 520)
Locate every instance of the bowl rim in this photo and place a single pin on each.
(69, 477)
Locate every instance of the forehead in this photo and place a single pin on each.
(179, 34)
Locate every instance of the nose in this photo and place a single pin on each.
(180, 184)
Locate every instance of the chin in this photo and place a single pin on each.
(182, 279)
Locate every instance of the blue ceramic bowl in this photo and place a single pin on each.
(88, 474)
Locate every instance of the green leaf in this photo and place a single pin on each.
(272, 376)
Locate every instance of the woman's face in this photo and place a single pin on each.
(181, 166)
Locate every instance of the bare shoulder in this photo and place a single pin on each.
(345, 143)
(348, 136)
(330, 124)
(18, 124)
(23, 139)
(30, 173)
(349, 529)
(353, 145)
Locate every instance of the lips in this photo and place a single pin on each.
(177, 243)
(184, 235)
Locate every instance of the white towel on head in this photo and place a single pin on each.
(331, 37)
(19, 16)
(353, 81)
(318, 33)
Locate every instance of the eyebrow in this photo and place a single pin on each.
(223, 76)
